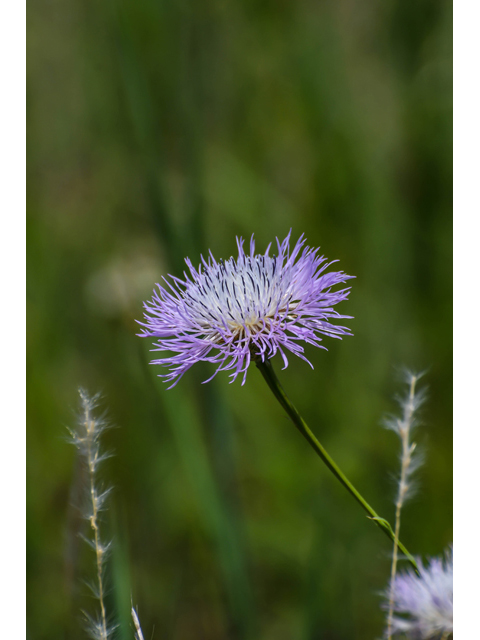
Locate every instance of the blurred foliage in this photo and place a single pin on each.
(160, 129)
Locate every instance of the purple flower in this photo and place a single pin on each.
(424, 604)
(230, 312)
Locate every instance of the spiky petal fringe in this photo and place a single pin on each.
(229, 311)
(423, 605)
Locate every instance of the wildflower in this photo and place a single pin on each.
(424, 603)
(231, 312)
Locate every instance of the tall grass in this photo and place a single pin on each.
(86, 438)
(409, 462)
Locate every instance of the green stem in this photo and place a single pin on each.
(268, 373)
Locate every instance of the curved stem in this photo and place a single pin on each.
(271, 379)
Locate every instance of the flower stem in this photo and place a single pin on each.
(271, 379)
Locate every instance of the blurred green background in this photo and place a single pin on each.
(161, 129)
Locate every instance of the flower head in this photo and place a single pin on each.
(424, 603)
(229, 312)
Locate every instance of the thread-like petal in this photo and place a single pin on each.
(227, 311)
(423, 605)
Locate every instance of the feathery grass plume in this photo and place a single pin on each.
(86, 438)
(423, 604)
(410, 461)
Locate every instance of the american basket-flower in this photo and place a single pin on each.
(228, 312)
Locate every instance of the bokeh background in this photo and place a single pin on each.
(160, 129)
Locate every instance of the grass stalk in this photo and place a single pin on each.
(136, 622)
(92, 456)
(403, 427)
(267, 371)
(86, 439)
